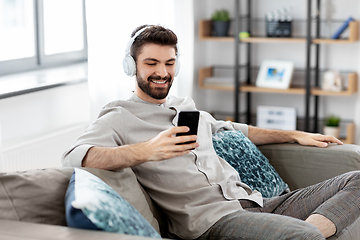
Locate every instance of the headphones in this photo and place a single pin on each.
(129, 64)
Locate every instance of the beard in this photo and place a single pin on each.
(156, 92)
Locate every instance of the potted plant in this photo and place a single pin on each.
(331, 126)
(220, 23)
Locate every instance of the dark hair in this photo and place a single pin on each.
(153, 34)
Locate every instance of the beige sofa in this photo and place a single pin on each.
(32, 202)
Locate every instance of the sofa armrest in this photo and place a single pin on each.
(301, 166)
(14, 230)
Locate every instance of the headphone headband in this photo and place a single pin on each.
(129, 64)
(131, 41)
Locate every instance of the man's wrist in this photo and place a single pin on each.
(134, 154)
(294, 136)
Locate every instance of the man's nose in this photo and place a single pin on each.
(161, 71)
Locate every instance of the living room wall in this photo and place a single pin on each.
(31, 115)
(335, 57)
(35, 114)
(107, 79)
(35, 118)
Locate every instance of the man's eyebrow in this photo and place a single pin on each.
(156, 60)
(151, 59)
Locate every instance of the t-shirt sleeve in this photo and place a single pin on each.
(101, 134)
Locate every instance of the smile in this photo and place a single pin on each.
(159, 81)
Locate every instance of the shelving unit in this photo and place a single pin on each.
(350, 134)
(308, 91)
(316, 91)
(205, 34)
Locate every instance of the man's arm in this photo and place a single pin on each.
(163, 146)
(266, 136)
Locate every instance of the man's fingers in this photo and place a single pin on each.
(185, 139)
(329, 139)
(317, 140)
(323, 141)
(332, 139)
(177, 150)
(175, 130)
(186, 146)
(320, 144)
(167, 145)
(181, 139)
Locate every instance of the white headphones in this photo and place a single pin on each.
(129, 64)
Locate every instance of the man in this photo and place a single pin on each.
(200, 193)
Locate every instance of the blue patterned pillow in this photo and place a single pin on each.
(253, 167)
(92, 204)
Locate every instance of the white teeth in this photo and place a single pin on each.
(159, 82)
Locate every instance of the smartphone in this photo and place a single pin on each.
(190, 119)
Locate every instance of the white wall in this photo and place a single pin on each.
(110, 24)
(37, 128)
(336, 57)
(32, 115)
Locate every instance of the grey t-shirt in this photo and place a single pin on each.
(194, 190)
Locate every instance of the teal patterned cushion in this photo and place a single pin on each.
(92, 204)
(253, 167)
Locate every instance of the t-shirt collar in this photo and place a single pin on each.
(135, 98)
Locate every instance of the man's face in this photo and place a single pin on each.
(155, 72)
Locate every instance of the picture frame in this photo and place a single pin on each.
(275, 74)
(332, 81)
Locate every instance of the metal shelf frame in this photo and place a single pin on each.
(309, 42)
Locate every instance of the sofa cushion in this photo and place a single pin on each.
(34, 196)
(92, 204)
(301, 166)
(253, 167)
(38, 195)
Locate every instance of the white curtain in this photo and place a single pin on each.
(109, 25)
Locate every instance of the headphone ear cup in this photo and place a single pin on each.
(177, 66)
(129, 66)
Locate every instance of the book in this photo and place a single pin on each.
(343, 27)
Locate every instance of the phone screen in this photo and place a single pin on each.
(190, 119)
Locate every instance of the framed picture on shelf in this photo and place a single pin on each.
(332, 81)
(273, 117)
(275, 74)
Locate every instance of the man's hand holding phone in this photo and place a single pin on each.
(191, 120)
(175, 141)
(167, 145)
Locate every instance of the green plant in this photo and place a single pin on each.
(332, 121)
(221, 15)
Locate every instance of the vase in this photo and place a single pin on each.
(220, 29)
(332, 131)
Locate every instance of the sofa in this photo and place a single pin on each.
(32, 202)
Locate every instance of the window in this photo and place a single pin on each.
(16, 24)
(41, 33)
(69, 30)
